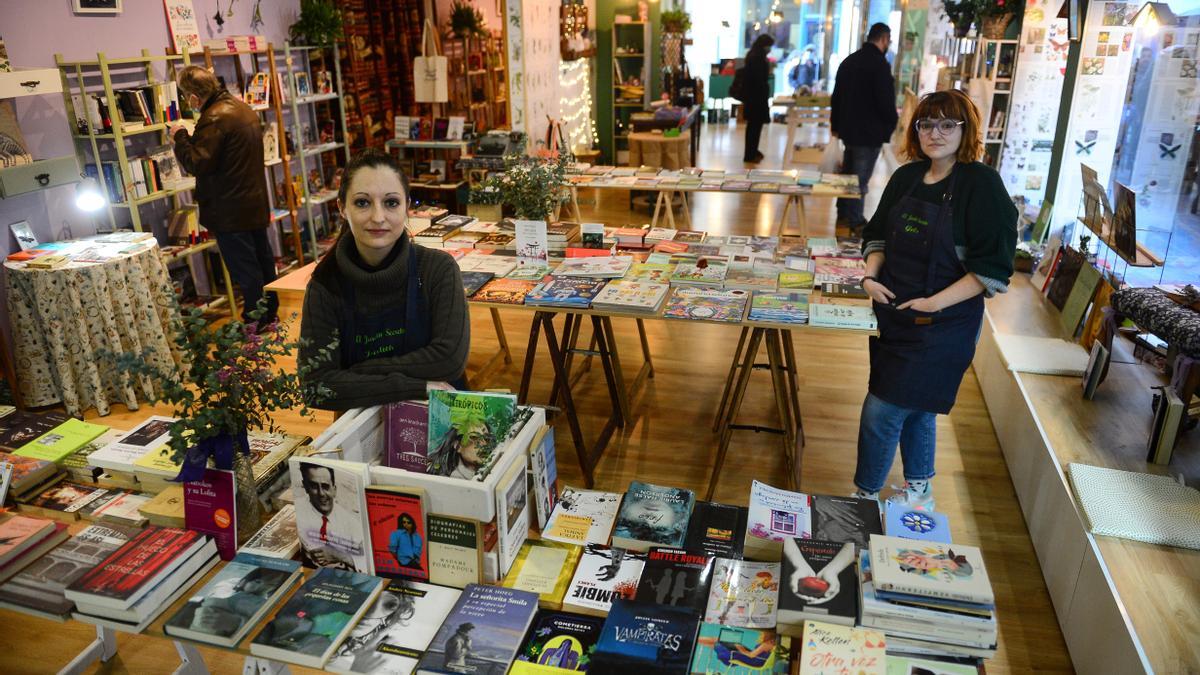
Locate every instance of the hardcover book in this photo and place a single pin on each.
(40, 588)
(842, 519)
(909, 523)
(473, 281)
(545, 568)
(534, 273)
(822, 583)
(597, 267)
(652, 515)
(62, 440)
(278, 538)
(930, 569)
(331, 512)
(743, 593)
(828, 649)
(575, 292)
(465, 429)
(582, 517)
(655, 273)
(557, 643)
(505, 291)
(675, 577)
(721, 648)
(631, 296)
(483, 632)
(406, 427)
(233, 601)
(603, 574)
(455, 551)
(131, 571)
(775, 515)
(398, 531)
(210, 507)
(706, 271)
(646, 639)
(706, 304)
(390, 638)
(717, 530)
(786, 307)
(320, 614)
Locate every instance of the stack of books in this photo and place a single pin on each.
(24, 540)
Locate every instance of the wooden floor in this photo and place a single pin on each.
(670, 441)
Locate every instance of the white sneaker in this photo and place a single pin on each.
(909, 497)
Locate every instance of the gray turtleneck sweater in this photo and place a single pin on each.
(387, 378)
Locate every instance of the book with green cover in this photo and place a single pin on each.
(62, 440)
(1079, 298)
(465, 429)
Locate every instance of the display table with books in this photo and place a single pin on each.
(68, 306)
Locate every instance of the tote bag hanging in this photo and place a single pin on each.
(430, 83)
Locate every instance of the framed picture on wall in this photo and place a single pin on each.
(96, 6)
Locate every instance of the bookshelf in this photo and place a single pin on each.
(994, 65)
(263, 60)
(478, 76)
(324, 148)
(631, 58)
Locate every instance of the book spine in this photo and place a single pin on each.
(957, 596)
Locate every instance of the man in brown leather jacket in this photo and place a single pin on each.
(225, 154)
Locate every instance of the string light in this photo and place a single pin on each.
(575, 104)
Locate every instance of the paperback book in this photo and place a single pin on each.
(28, 474)
(829, 649)
(582, 517)
(718, 530)
(505, 291)
(574, 292)
(543, 471)
(786, 307)
(455, 551)
(482, 633)
(544, 568)
(320, 614)
(137, 567)
(646, 639)
(62, 501)
(843, 519)
(123, 453)
(473, 281)
(596, 267)
(210, 507)
(39, 589)
(822, 584)
(631, 296)
(78, 464)
(652, 515)
(233, 601)
(21, 533)
(466, 428)
(398, 531)
(406, 428)
(775, 515)
(395, 631)
(62, 440)
(706, 304)
(743, 593)
(826, 315)
(331, 512)
(278, 538)
(705, 271)
(603, 574)
(930, 569)
(557, 643)
(729, 648)
(909, 523)
(676, 578)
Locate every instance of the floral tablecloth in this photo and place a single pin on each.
(63, 319)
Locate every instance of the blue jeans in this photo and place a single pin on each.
(880, 428)
(860, 161)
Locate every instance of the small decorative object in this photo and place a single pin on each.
(675, 21)
(228, 384)
(324, 82)
(466, 21)
(484, 202)
(303, 85)
(319, 23)
(96, 6)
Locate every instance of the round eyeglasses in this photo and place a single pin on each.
(944, 126)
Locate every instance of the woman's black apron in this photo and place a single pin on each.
(919, 358)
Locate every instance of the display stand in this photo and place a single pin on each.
(995, 63)
(633, 39)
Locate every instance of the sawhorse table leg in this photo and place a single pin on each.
(256, 666)
(101, 650)
(190, 660)
(794, 204)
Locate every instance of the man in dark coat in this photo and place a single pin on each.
(225, 154)
(864, 115)
(756, 95)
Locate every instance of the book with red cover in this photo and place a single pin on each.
(399, 551)
(210, 507)
(135, 568)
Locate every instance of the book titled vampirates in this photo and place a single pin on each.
(646, 639)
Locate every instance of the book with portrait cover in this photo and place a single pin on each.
(558, 643)
(465, 429)
(131, 571)
(39, 589)
(276, 539)
(603, 574)
(233, 601)
(677, 578)
(331, 512)
(398, 531)
(62, 440)
(646, 639)
(483, 632)
(210, 507)
(582, 516)
(390, 638)
(318, 616)
(652, 515)
(406, 428)
(716, 529)
(820, 582)
(743, 593)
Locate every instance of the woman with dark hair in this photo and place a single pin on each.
(397, 309)
(942, 238)
(405, 542)
(756, 94)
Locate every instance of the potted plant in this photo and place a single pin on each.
(466, 21)
(533, 186)
(319, 23)
(995, 15)
(675, 21)
(484, 201)
(229, 384)
(961, 13)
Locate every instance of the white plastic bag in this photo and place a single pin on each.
(831, 158)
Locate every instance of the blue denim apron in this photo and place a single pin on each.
(919, 358)
(385, 333)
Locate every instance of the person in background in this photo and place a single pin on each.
(756, 95)
(804, 73)
(225, 154)
(943, 238)
(397, 309)
(863, 116)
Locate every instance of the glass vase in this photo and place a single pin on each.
(249, 509)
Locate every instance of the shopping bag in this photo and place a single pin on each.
(831, 158)
(430, 81)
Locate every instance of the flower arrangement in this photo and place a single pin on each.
(319, 23)
(466, 21)
(532, 186)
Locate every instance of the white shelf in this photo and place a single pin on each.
(430, 145)
(322, 198)
(318, 149)
(273, 162)
(33, 82)
(316, 98)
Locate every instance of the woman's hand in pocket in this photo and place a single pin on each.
(878, 292)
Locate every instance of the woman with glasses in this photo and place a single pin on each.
(942, 238)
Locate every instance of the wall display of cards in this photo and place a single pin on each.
(185, 31)
(97, 6)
